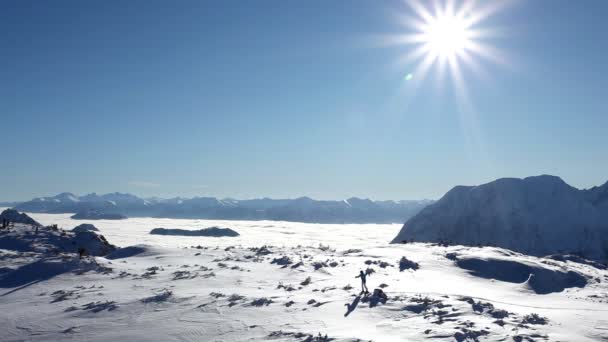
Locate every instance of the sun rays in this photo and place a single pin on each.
(453, 44)
(448, 36)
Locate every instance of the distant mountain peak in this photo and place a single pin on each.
(302, 209)
(67, 196)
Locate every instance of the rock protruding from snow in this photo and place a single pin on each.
(12, 215)
(97, 215)
(85, 227)
(51, 240)
(92, 243)
(537, 215)
(211, 231)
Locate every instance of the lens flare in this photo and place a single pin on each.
(448, 36)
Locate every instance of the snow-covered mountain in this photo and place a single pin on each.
(303, 209)
(14, 216)
(536, 215)
(598, 195)
(66, 197)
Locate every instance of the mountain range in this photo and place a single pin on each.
(538, 215)
(303, 209)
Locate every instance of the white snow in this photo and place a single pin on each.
(256, 287)
(536, 215)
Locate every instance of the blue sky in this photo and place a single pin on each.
(290, 98)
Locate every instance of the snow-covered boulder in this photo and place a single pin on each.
(50, 240)
(85, 227)
(537, 215)
(92, 243)
(14, 216)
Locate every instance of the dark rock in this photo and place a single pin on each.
(97, 215)
(212, 232)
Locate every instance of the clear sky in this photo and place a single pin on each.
(289, 98)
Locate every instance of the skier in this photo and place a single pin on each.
(363, 277)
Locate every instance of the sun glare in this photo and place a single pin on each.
(446, 36)
(450, 40)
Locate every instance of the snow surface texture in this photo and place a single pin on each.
(284, 281)
(537, 215)
(211, 231)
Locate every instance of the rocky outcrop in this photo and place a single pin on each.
(212, 231)
(12, 215)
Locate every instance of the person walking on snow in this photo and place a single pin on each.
(363, 277)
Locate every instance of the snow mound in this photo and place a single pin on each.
(37, 271)
(537, 216)
(46, 240)
(131, 251)
(14, 216)
(85, 227)
(539, 278)
(93, 244)
(211, 231)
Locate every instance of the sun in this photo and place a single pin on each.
(450, 42)
(447, 36)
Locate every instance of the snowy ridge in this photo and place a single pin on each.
(49, 241)
(537, 215)
(303, 209)
(14, 216)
